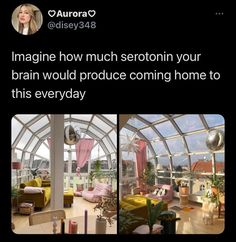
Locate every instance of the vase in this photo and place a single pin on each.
(101, 225)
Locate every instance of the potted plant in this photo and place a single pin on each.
(109, 206)
(148, 176)
(168, 220)
(102, 220)
(14, 200)
(128, 221)
(217, 183)
(91, 177)
(153, 213)
(14, 196)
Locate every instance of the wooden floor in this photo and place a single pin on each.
(77, 209)
(191, 221)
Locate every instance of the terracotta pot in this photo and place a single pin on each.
(101, 225)
(214, 190)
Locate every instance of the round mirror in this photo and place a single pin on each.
(71, 135)
(215, 140)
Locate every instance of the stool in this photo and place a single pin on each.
(68, 197)
(26, 208)
(183, 200)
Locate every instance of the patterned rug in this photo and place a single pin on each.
(176, 208)
(185, 209)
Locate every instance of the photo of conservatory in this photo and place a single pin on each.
(171, 174)
(64, 174)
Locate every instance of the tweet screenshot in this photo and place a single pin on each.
(114, 121)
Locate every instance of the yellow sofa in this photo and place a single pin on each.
(137, 205)
(40, 199)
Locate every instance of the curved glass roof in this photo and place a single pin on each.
(30, 133)
(175, 139)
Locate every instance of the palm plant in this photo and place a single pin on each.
(154, 212)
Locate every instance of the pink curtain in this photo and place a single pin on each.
(141, 157)
(83, 151)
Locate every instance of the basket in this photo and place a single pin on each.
(26, 208)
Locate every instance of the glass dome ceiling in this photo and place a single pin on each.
(174, 139)
(30, 134)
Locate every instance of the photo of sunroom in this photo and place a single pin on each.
(172, 174)
(64, 173)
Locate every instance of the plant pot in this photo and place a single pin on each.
(214, 190)
(101, 225)
(169, 227)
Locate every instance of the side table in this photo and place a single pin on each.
(183, 200)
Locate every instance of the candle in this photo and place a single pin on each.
(86, 221)
(74, 227)
(69, 226)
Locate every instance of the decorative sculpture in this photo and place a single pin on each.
(71, 135)
(130, 144)
(215, 140)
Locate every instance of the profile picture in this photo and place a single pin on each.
(27, 19)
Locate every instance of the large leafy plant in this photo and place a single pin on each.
(127, 220)
(154, 212)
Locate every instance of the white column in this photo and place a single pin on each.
(57, 161)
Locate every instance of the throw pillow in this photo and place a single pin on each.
(156, 191)
(160, 192)
(33, 190)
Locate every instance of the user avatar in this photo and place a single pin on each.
(27, 19)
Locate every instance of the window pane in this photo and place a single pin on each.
(102, 125)
(166, 129)
(220, 162)
(165, 162)
(43, 151)
(32, 144)
(175, 145)
(85, 117)
(108, 146)
(111, 117)
(197, 142)
(136, 123)
(15, 129)
(201, 163)
(113, 137)
(189, 123)
(39, 124)
(44, 132)
(180, 163)
(25, 118)
(152, 117)
(96, 132)
(159, 147)
(214, 119)
(24, 139)
(149, 133)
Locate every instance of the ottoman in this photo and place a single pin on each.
(68, 197)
